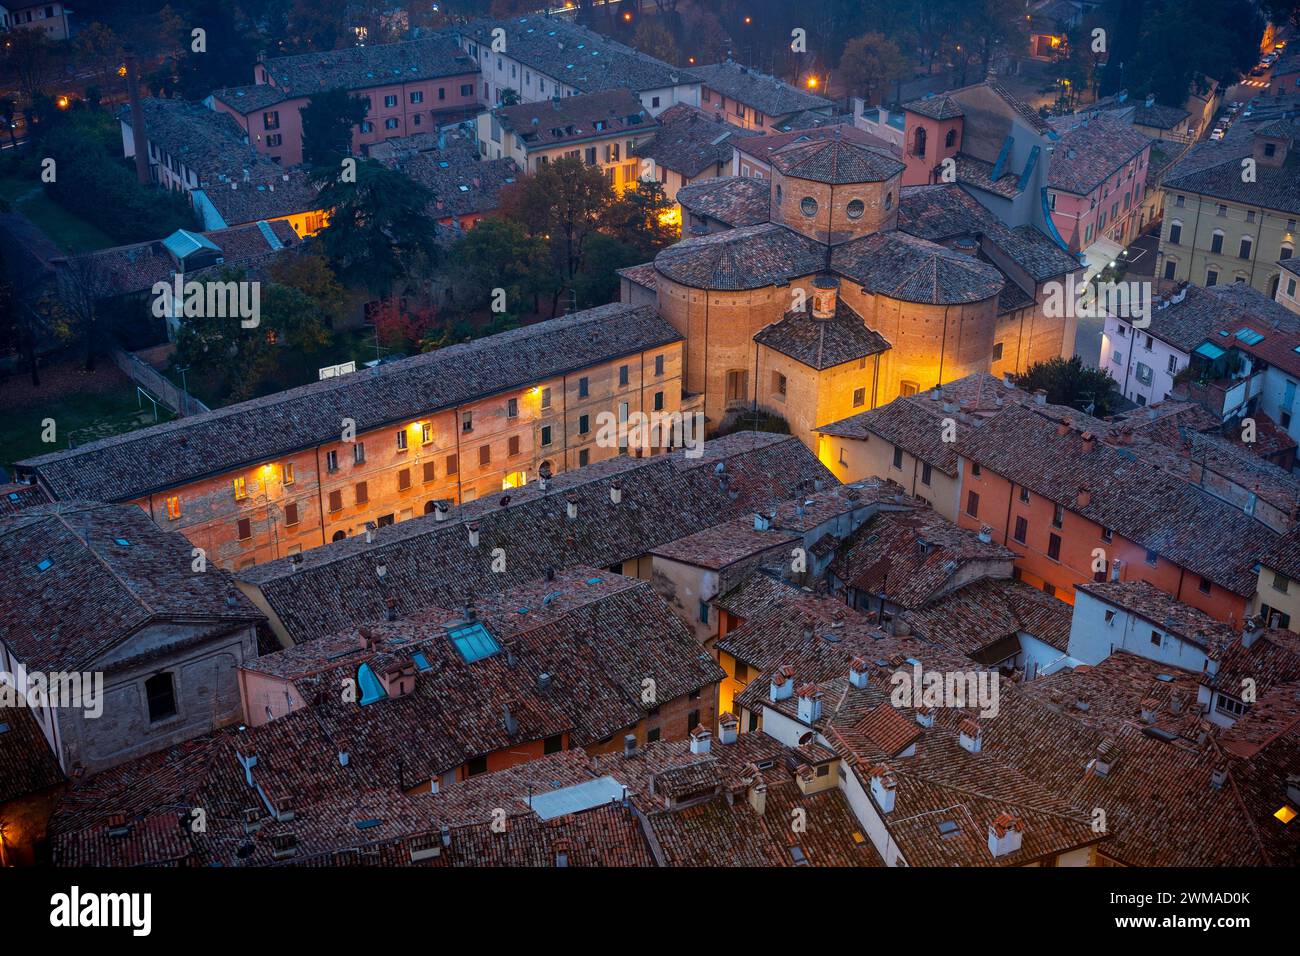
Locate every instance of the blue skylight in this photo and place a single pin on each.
(421, 661)
(1250, 336)
(371, 689)
(473, 642)
(44, 564)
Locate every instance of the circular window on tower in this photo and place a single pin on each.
(855, 209)
(808, 205)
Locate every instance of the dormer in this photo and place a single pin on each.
(1271, 144)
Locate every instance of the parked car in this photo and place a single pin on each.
(1217, 133)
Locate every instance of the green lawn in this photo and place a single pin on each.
(70, 233)
(78, 419)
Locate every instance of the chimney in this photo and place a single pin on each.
(397, 678)
(858, 673)
(883, 787)
(573, 506)
(758, 796)
(1005, 834)
(139, 141)
(1063, 427)
(543, 682)
(700, 740)
(1114, 569)
(390, 609)
(762, 521)
(810, 704)
(473, 534)
(825, 293)
(1089, 441)
(728, 728)
(970, 736)
(1040, 396)
(1219, 776)
(440, 509)
(1249, 632)
(1151, 100)
(616, 491)
(782, 683)
(366, 638)
(511, 725)
(1008, 380)
(629, 746)
(985, 534)
(925, 716)
(1150, 707)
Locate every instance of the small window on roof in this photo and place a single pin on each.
(44, 564)
(421, 661)
(371, 689)
(123, 542)
(1250, 336)
(473, 642)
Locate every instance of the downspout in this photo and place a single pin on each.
(320, 496)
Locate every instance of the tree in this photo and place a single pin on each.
(708, 40)
(644, 219)
(245, 362)
(870, 64)
(565, 203)
(1181, 42)
(1070, 382)
(318, 25)
(380, 233)
(311, 275)
(403, 328)
(327, 123)
(499, 254)
(29, 57)
(652, 38)
(83, 285)
(98, 47)
(9, 109)
(222, 55)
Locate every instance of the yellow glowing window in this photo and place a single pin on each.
(288, 472)
(173, 507)
(241, 489)
(426, 434)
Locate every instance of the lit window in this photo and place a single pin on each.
(173, 507)
(241, 489)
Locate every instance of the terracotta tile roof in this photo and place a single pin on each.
(1090, 150)
(762, 147)
(286, 194)
(249, 99)
(1283, 554)
(461, 186)
(1135, 498)
(1155, 606)
(945, 211)
(914, 557)
(754, 592)
(765, 93)
(1202, 314)
(1272, 658)
(936, 107)
(823, 343)
(836, 160)
(135, 268)
(978, 616)
(1214, 169)
(888, 729)
(578, 57)
(151, 459)
(15, 497)
(476, 800)
(1026, 112)
(689, 141)
(209, 143)
(75, 590)
(431, 562)
(900, 266)
(27, 765)
(359, 68)
(573, 119)
(726, 544)
(732, 200)
(977, 173)
(750, 257)
(915, 423)
(946, 798)
(642, 275)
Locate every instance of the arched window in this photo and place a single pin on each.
(1216, 241)
(918, 142)
(429, 506)
(950, 139)
(339, 535)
